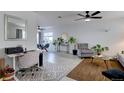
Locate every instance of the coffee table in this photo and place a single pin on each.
(103, 57)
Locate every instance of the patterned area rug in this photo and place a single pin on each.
(91, 71)
(51, 72)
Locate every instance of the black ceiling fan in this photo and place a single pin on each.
(40, 28)
(89, 16)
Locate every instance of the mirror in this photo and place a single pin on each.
(15, 28)
(64, 36)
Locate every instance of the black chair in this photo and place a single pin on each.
(40, 46)
(43, 46)
(46, 46)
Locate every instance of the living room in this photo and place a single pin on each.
(49, 35)
(106, 31)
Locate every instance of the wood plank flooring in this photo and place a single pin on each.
(91, 71)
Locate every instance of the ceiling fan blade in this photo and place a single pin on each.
(79, 19)
(81, 15)
(96, 17)
(95, 13)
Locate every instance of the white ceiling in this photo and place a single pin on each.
(50, 18)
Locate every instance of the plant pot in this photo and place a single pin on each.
(74, 52)
(1, 79)
(98, 54)
(8, 76)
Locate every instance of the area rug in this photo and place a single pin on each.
(50, 72)
(92, 71)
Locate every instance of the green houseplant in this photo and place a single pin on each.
(58, 42)
(55, 43)
(72, 40)
(99, 49)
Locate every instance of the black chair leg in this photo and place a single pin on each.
(46, 49)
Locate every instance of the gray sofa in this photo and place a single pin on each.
(84, 50)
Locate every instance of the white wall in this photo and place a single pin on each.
(31, 29)
(94, 32)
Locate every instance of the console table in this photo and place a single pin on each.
(64, 45)
(14, 56)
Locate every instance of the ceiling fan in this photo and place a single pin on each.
(88, 16)
(40, 28)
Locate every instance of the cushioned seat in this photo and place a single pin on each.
(84, 51)
(114, 74)
(88, 51)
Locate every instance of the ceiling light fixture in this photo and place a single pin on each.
(87, 19)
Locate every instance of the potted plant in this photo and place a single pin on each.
(55, 43)
(8, 72)
(58, 42)
(72, 40)
(99, 49)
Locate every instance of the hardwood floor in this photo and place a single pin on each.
(91, 71)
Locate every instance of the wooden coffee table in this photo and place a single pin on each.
(104, 58)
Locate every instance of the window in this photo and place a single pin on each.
(48, 37)
(38, 38)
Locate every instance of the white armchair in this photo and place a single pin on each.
(29, 59)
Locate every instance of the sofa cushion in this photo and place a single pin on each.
(87, 51)
(114, 74)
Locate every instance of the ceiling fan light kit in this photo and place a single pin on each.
(87, 19)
